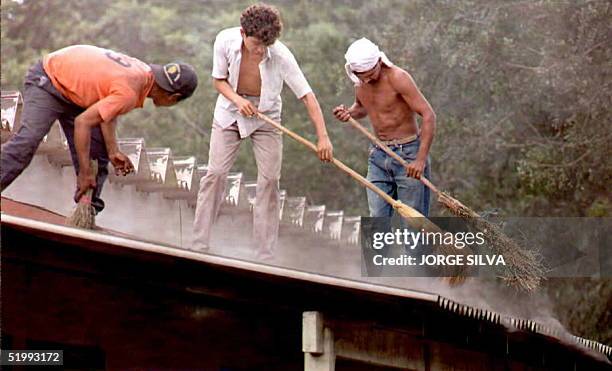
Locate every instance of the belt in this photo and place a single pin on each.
(395, 142)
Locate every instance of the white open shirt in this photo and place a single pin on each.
(278, 66)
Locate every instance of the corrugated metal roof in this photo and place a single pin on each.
(520, 324)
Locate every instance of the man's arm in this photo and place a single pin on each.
(245, 107)
(220, 73)
(122, 164)
(356, 111)
(82, 141)
(324, 146)
(110, 137)
(405, 85)
(83, 124)
(295, 79)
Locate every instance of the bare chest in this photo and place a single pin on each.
(249, 79)
(389, 114)
(380, 97)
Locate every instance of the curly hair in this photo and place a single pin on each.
(262, 21)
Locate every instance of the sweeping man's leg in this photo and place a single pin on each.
(411, 191)
(380, 177)
(268, 148)
(379, 208)
(224, 145)
(40, 110)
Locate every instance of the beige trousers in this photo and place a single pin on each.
(224, 145)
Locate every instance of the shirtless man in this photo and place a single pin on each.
(250, 67)
(389, 96)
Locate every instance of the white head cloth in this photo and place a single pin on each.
(362, 56)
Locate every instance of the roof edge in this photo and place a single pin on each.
(215, 259)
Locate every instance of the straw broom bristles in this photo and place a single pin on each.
(523, 268)
(84, 215)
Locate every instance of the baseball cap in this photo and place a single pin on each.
(176, 77)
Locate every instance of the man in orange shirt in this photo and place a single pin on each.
(86, 88)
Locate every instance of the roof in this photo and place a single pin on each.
(101, 242)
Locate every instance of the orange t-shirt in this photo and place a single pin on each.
(87, 74)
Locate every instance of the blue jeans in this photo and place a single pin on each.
(390, 176)
(42, 105)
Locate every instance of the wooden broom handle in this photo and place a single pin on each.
(355, 175)
(388, 150)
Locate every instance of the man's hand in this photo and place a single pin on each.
(415, 168)
(121, 163)
(245, 107)
(342, 113)
(325, 150)
(85, 181)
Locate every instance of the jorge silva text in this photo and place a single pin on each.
(439, 260)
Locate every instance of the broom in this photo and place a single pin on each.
(523, 267)
(457, 273)
(84, 215)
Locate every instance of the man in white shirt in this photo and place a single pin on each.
(249, 69)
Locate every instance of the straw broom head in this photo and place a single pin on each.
(84, 215)
(523, 268)
(456, 207)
